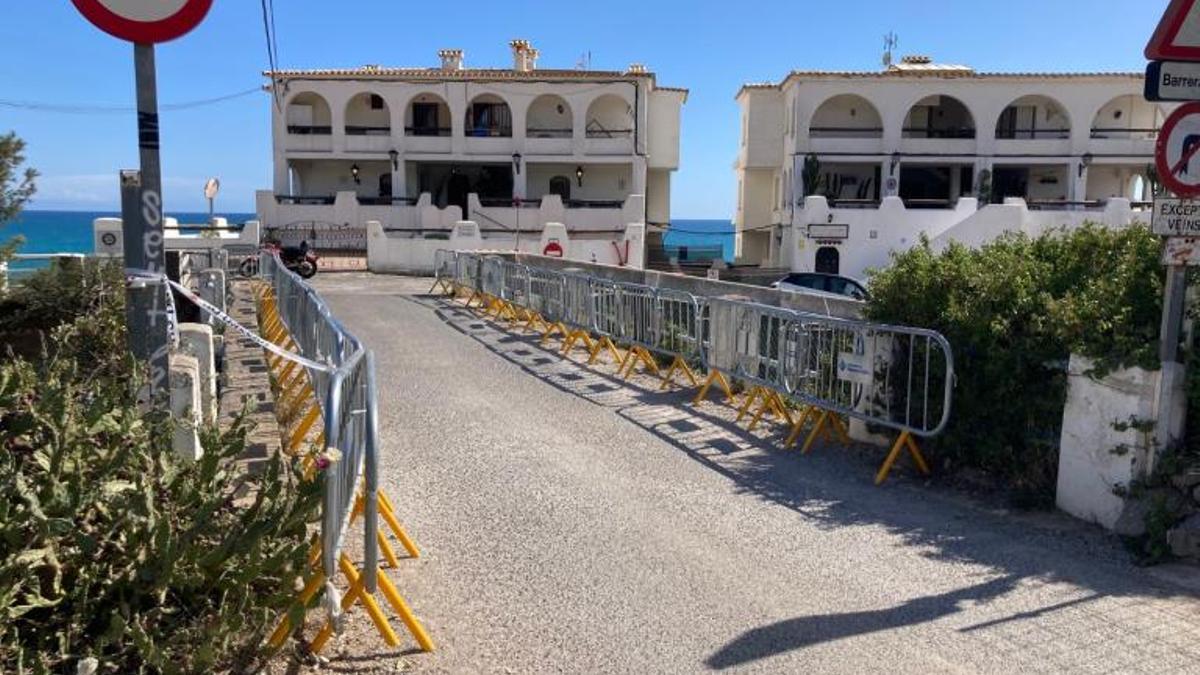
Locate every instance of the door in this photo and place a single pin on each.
(1009, 182)
(385, 185)
(425, 119)
(457, 190)
(828, 260)
(561, 186)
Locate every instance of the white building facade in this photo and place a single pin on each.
(511, 149)
(837, 169)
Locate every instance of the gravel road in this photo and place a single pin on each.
(574, 523)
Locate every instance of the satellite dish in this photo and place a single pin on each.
(211, 187)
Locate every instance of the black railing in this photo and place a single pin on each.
(927, 203)
(593, 203)
(304, 199)
(426, 131)
(951, 132)
(845, 132)
(1032, 134)
(309, 130)
(1064, 205)
(489, 132)
(609, 133)
(510, 202)
(368, 131)
(387, 201)
(854, 203)
(1124, 133)
(541, 132)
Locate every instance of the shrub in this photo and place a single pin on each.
(113, 548)
(1013, 311)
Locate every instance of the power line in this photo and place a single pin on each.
(86, 109)
(268, 17)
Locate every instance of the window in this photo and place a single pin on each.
(490, 119)
(376, 102)
(561, 186)
(425, 119)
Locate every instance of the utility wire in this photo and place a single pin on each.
(268, 17)
(83, 109)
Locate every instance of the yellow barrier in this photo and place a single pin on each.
(299, 415)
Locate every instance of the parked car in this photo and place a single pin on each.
(830, 284)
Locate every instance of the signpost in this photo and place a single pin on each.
(211, 188)
(144, 23)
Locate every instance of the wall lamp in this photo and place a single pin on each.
(354, 171)
(395, 155)
(895, 162)
(517, 163)
(1084, 163)
(579, 175)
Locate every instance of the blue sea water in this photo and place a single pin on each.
(701, 234)
(71, 231)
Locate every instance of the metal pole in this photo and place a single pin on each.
(142, 224)
(1174, 295)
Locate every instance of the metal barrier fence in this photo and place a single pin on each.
(347, 410)
(345, 396)
(888, 377)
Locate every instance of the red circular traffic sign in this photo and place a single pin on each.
(144, 21)
(553, 249)
(1177, 152)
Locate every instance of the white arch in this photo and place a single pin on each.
(846, 116)
(609, 116)
(1034, 116)
(938, 116)
(549, 116)
(488, 114)
(362, 118)
(437, 122)
(1127, 116)
(308, 112)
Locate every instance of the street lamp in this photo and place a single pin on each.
(354, 171)
(516, 163)
(579, 175)
(395, 155)
(1085, 162)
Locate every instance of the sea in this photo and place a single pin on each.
(71, 231)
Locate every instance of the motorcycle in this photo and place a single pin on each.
(299, 259)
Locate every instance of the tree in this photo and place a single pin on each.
(16, 186)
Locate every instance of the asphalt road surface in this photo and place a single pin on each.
(574, 523)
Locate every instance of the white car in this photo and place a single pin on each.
(822, 284)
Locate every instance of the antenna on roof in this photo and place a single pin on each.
(585, 61)
(889, 43)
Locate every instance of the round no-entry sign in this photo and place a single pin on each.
(144, 21)
(1177, 154)
(553, 249)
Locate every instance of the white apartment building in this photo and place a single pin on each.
(419, 149)
(837, 169)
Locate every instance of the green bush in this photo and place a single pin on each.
(1013, 311)
(113, 548)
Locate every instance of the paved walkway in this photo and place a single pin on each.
(572, 523)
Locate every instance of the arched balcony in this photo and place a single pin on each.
(427, 124)
(368, 123)
(1128, 117)
(309, 123)
(939, 116)
(846, 116)
(488, 116)
(609, 125)
(549, 125)
(1034, 118)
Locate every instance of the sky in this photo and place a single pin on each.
(709, 47)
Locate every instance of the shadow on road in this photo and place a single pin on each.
(804, 631)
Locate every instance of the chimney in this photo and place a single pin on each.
(637, 68)
(452, 59)
(524, 56)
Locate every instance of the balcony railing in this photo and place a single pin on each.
(594, 203)
(304, 199)
(845, 132)
(609, 133)
(541, 132)
(1065, 205)
(387, 201)
(426, 131)
(490, 132)
(510, 202)
(951, 132)
(368, 131)
(854, 203)
(309, 130)
(1032, 134)
(926, 203)
(1125, 133)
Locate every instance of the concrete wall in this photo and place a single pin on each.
(108, 238)
(1095, 458)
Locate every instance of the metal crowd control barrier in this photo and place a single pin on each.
(801, 368)
(344, 398)
(444, 271)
